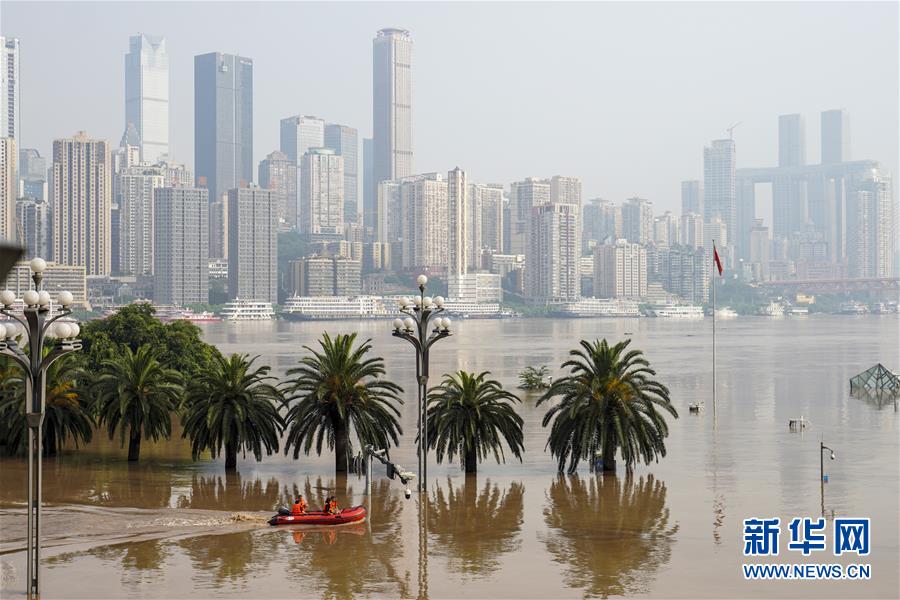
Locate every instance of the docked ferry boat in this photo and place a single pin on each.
(302, 308)
(677, 311)
(248, 310)
(600, 307)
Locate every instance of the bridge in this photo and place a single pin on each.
(865, 284)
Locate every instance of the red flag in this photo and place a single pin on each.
(716, 258)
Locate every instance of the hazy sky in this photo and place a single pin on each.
(622, 95)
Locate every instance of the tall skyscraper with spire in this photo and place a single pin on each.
(223, 122)
(147, 94)
(719, 184)
(392, 105)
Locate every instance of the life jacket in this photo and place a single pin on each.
(333, 507)
(298, 508)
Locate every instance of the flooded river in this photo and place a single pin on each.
(172, 528)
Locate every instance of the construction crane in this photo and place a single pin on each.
(731, 129)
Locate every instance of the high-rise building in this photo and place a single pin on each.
(424, 222)
(791, 140)
(392, 104)
(297, 135)
(147, 94)
(870, 226)
(486, 221)
(523, 196)
(719, 184)
(345, 143)
(278, 173)
(691, 234)
(760, 244)
(347, 276)
(665, 230)
(181, 256)
(9, 87)
(175, 174)
(252, 244)
(136, 238)
(685, 272)
(321, 192)
(223, 122)
(370, 186)
(552, 267)
(715, 231)
(218, 229)
(389, 223)
(458, 223)
(637, 221)
(82, 198)
(602, 222)
(692, 197)
(620, 270)
(32, 174)
(8, 188)
(835, 136)
(33, 219)
(320, 275)
(565, 190)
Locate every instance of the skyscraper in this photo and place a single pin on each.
(719, 184)
(181, 257)
(424, 221)
(32, 174)
(8, 188)
(458, 223)
(870, 226)
(691, 230)
(370, 186)
(685, 271)
(602, 222)
(389, 225)
(791, 141)
(136, 238)
(9, 87)
(487, 230)
(345, 143)
(565, 190)
(223, 122)
(523, 196)
(297, 135)
(82, 198)
(692, 197)
(637, 221)
(147, 94)
(33, 218)
(252, 244)
(321, 192)
(620, 270)
(552, 266)
(279, 173)
(835, 136)
(392, 104)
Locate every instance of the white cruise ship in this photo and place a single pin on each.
(248, 310)
(299, 308)
(600, 307)
(773, 309)
(678, 311)
(470, 309)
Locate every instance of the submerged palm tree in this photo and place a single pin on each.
(470, 415)
(233, 406)
(336, 387)
(135, 392)
(66, 417)
(609, 402)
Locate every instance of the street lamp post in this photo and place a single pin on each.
(37, 324)
(822, 449)
(414, 329)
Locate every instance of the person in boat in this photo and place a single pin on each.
(327, 507)
(333, 506)
(299, 507)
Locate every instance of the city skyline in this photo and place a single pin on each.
(605, 169)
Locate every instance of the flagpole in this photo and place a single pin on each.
(715, 267)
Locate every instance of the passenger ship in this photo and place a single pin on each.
(677, 311)
(600, 307)
(248, 310)
(302, 308)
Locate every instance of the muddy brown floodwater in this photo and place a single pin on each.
(172, 528)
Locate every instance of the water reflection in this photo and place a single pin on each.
(611, 534)
(231, 492)
(343, 562)
(473, 526)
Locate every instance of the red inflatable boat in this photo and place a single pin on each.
(347, 515)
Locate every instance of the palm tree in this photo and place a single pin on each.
(468, 415)
(66, 417)
(135, 392)
(233, 406)
(609, 402)
(336, 387)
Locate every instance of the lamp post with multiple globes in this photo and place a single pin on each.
(34, 325)
(420, 310)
